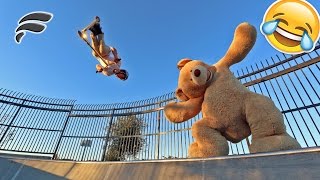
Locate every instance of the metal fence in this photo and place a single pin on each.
(61, 129)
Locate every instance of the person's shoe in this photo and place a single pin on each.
(97, 18)
(117, 60)
(99, 70)
(96, 29)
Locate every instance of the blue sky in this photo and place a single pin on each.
(151, 37)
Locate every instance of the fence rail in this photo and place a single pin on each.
(61, 129)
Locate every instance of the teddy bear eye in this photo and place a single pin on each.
(197, 72)
(199, 75)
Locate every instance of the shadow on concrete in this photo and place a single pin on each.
(14, 171)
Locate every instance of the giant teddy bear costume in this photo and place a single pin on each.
(230, 111)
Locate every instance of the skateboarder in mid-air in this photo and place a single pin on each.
(108, 57)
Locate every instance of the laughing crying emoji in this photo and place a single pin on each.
(291, 26)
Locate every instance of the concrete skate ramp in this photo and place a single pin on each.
(300, 164)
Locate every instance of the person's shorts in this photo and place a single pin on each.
(106, 51)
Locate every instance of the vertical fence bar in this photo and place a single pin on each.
(103, 158)
(62, 132)
(158, 130)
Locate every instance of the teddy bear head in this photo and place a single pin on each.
(195, 76)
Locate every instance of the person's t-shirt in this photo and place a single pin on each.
(109, 70)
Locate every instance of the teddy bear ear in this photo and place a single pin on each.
(183, 62)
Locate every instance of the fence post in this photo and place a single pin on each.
(14, 117)
(248, 141)
(107, 136)
(62, 132)
(158, 139)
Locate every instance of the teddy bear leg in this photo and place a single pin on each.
(208, 141)
(267, 126)
(274, 143)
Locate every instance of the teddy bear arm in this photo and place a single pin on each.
(243, 41)
(178, 112)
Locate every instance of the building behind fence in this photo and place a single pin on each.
(62, 129)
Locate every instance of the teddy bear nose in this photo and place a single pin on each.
(197, 72)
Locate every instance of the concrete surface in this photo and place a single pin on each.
(299, 164)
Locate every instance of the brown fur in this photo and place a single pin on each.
(230, 111)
